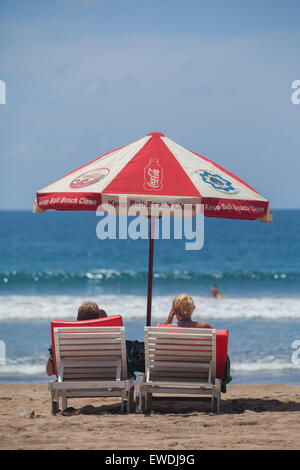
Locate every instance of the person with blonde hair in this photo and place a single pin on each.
(182, 308)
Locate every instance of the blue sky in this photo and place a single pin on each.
(84, 77)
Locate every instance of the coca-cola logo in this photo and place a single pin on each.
(89, 177)
(153, 175)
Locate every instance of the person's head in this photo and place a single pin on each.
(183, 306)
(90, 311)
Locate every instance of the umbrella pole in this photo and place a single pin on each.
(150, 270)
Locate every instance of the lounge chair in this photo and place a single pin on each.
(180, 361)
(90, 362)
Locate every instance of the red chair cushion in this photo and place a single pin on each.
(115, 320)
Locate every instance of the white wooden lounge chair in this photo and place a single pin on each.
(91, 362)
(180, 361)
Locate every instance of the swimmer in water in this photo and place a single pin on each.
(215, 292)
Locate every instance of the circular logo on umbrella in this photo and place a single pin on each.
(89, 177)
(218, 182)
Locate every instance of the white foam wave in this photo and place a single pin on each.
(23, 366)
(49, 307)
(266, 364)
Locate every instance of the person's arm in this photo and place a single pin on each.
(50, 365)
(170, 317)
(49, 369)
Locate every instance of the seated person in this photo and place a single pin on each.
(87, 311)
(135, 349)
(182, 308)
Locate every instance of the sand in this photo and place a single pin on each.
(250, 417)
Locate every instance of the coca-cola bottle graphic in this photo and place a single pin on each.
(153, 175)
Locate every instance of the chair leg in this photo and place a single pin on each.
(218, 400)
(54, 403)
(64, 401)
(54, 407)
(218, 396)
(148, 401)
(212, 407)
(215, 401)
(140, 400)
(124, 400)
(130, 400)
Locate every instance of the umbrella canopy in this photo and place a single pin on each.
(154, 170)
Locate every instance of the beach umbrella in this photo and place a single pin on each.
(154, 171)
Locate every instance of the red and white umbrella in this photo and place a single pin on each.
(154, 170)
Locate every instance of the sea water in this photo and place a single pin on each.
(50, 263)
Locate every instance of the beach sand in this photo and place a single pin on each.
(250, 417)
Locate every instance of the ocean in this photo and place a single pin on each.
(50, 263)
